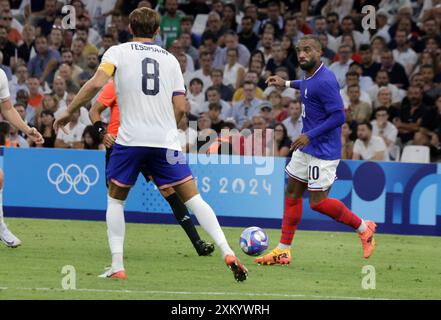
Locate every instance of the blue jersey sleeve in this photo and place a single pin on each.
(330, 95)
(296, 84)
(334, 120)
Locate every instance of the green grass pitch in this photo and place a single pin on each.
(161, 264)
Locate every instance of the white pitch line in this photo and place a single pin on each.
(146, 292)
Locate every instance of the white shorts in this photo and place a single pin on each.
(317, 173)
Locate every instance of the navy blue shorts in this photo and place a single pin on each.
(167, 167)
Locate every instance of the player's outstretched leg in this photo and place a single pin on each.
(291, 218)
(181, 214)
(116, 230)
(207, 219)
(338, 211)
(6, 236)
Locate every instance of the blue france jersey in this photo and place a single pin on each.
(320, 96)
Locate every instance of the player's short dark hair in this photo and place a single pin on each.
(365, 123)
(196, 80)
(313, 38)
(144, 22)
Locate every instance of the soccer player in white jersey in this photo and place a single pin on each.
(151, 94)
(10, 114)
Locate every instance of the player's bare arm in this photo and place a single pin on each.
(11, 114)
(179, 106)
(86, 93)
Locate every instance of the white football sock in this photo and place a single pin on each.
(1, 207)
(116, 229)
(283, 246)
(362, 228)
(208, 221)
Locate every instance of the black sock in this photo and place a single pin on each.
(181, 214)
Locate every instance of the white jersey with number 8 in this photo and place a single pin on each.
(146, 78)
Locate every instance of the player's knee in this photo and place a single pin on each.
(316, 204)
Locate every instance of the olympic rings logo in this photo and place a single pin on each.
(73, 178)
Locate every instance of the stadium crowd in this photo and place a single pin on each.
(390, 75)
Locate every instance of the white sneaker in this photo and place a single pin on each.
(8, 237)
(109, 273)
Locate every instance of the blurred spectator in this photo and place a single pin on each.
(14, 140)
(44, 25)
(347, 144)
(250, 76)
(266, 46)
(384, 129)
(291, 30)
(82, 33)
(382, 81)
(6, 21)
(67, 57)
(411, 113)
(22, 97)
(430, 89)
(186, 27)
(353, 78)
(365, 82)
(282, 141)
(243, 111)
(341, 67)
(204, 73)
(59, 89)
(188, 48)
(196, 96)
(214, 113)
(403, 54)
(7, 47)
(261, 141)
(46, 129)
(384, 98)
(287, 94)
(247, 36)
(187, 135)
(397, 73)
(44, 64)
(274, 17)
(182, 59)
(213, 96)
(378, 45)
(229, 17)
(65, 72)
(226, 92)
(266, 113)
(232, 42)
(27, 50)
(278, 60)
(279, 113)
(367, 146)
(368, 64)
(359, 111)
(348, 28)
(73, 138)
(294, 123)
(176, 49)
(234, 72)
(21, 109)
(91, 139)
(214, 26)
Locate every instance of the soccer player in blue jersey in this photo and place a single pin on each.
(316, 153)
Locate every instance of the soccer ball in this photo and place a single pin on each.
(253, 241)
